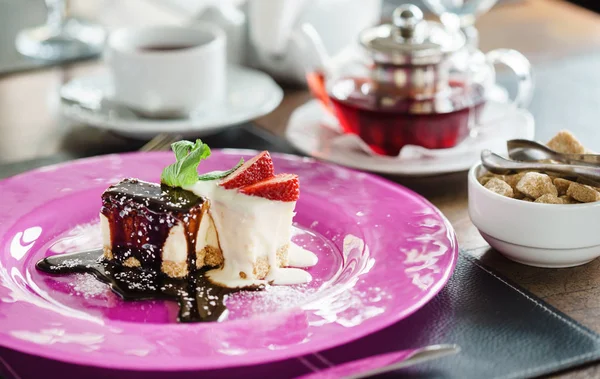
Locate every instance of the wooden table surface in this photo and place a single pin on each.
(544, 30)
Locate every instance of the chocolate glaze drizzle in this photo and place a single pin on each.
(199, 300)
(140, 216)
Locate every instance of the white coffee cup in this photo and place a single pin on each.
(168, 71)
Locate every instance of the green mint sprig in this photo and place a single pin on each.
(213, 175)
(184, 172)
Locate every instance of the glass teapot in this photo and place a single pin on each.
(412, 82)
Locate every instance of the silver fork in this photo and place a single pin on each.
(160, 142)
(6, 371)
(361, 368)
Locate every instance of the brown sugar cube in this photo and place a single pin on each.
(565, 142)
(589, 182)
(487, 176)
(549, 199)
(500, 187)
(528, 199)
(534, 185)
(568, 200)
(583, 193)
(562, 185)
(518, 194)
(552, 175)
(512, 180)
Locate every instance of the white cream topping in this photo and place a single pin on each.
(207, 234)
(105, 227)
(251, 227)
(297, 257)
(288, 276)
(175, 247)
(300, 257)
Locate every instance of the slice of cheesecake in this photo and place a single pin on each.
(160, 227)
(239, 222)
(170, 229)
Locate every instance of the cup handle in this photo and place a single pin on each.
(522, 70)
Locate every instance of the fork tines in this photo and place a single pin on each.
(160, 142)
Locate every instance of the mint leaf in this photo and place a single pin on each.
(214, 175)
(184, 172)
(182, 148)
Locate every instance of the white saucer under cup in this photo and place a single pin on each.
(168, 71)
(250, 94)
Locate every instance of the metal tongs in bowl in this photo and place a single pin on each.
(530, 151)
(530, 156)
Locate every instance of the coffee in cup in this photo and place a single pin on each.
(168, 71)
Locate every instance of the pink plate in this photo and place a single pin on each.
(383, 253)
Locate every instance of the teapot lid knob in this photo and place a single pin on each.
(410, 39)
(406, 18)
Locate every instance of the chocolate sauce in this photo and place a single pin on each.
(199, 300)
(156, 197)
(140, 216)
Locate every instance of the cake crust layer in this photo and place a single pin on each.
(209, 256)
(174, 269)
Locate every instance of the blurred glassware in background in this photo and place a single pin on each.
(61, 38)
(461, 14)
(260, 32)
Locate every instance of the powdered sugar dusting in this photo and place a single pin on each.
(274, 298)
(88, 286)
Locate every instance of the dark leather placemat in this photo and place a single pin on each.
(504, 331)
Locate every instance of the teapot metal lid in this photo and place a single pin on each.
(410, 39)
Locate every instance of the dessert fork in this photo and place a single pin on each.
(376, 364)
(160, 142)
(6, 371)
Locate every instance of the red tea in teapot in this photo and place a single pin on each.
(316, 85)
(387, 124)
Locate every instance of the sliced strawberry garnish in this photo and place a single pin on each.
(282, 187)
(256, 169)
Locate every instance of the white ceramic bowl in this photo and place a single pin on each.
(543, 235)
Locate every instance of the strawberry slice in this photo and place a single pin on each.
(256, 169)
(282, 187)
